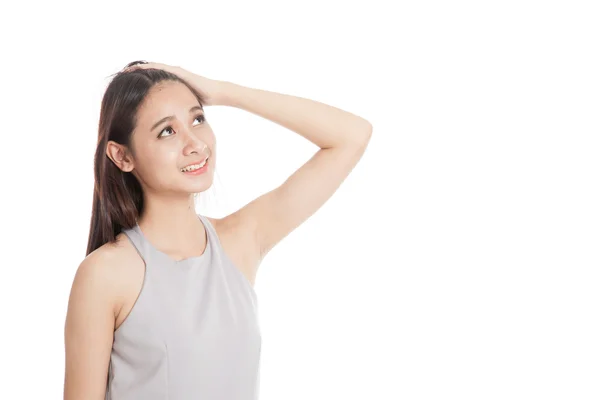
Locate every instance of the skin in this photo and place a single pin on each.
(169, 220)
(109, 280)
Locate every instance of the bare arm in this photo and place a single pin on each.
(342, 138)
(89, 328)
(322, 124)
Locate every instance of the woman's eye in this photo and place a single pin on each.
(200, 117)
(161, 132)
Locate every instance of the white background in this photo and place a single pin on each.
(460, 258)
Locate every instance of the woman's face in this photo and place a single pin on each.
(163, 147)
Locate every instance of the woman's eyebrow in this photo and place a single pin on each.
(172, 117)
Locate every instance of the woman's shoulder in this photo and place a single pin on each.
(111, 267)
(111, 256)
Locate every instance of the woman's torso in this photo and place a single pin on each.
(187, 329)
(132, 271)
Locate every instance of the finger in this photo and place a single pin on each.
(138, 65)
(132, 68)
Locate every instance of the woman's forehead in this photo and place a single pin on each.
(169, 95)
(165, 102)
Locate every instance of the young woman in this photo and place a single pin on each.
(163, 305)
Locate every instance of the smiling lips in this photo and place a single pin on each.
(195, 168)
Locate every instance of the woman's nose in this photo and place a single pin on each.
(193, 143)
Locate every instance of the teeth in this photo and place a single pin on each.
(194, 167)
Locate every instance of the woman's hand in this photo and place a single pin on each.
(212, 90)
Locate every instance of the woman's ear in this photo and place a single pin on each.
(120, 155)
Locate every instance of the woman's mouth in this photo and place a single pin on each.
(196, 169)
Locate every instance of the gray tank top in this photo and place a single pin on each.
(193, 332)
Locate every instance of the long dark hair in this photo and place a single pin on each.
(118, 197)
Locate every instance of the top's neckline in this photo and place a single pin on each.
(184, 260)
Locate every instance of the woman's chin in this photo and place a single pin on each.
(199, 187)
